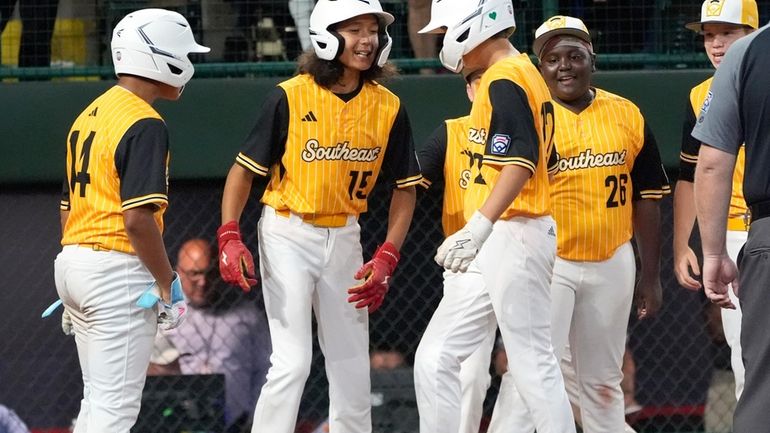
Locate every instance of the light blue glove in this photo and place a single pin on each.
(169, 315)
(66, 319)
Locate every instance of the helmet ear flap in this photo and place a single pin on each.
(340, 43)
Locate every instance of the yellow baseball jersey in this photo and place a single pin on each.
(117, 159)
(511, 123)
(688, 158)
(446, 156)
(324, 151)
(608, 158)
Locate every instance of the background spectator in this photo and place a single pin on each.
(10, 422)
(218, 336)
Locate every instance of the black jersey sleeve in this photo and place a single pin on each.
(648, 176)
(400, 166)
(432, 155)
(512, 137)
(141, 159)
(266, 143)
(688, 157)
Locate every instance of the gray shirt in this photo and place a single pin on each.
(235, 342)
(10, 422)
(737, 110)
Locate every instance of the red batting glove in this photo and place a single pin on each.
(376, 272)
(236, 265)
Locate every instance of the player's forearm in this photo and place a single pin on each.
(147, 241)
(647, 235)
(713, 187)
(684, 215)
(236, 193)
(402, 205)
(63, 215)
(509, 184)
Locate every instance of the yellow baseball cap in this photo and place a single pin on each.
(737, 12)
(559, 25)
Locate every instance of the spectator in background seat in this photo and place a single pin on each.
(229, 339)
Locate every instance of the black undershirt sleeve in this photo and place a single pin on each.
(432, 155)
(690, 146)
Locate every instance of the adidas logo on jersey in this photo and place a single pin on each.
(551, 231)
(310, 117)
(93, 113)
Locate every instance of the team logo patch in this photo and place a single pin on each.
(500, 144)
(556, 22)
(705, 107)
(714, 9)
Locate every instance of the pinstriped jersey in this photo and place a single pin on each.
(608, 158)
(117, 159)
(324, 152)
(688, 158)
(446, 156)
(511, 124)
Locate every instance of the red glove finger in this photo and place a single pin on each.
(236, 265)
(376, 290)
(371, 293)
(372, 303)
(366, 271)
(248, 278)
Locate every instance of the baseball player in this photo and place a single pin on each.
(114, 197)
(606, 189)
(320, 142)
(509, 239)
(721, 24)
(445, 157)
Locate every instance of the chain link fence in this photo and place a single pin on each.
(681, 374)
(266, 36)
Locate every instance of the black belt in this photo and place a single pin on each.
(760, 210)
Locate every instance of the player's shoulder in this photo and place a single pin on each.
(297, 81)
(380, 90)
(117, 109)
(703, 86)
(458, 121)
(513, 68)
(616, 101)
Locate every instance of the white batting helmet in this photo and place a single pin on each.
(737, 12)
(466, 24)
(328, 44)
(154, 43)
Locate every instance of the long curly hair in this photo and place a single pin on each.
(328, 72)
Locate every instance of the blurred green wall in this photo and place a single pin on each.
(213, 117)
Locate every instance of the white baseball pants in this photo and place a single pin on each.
(461, 292)
(114, 337)
(731, 319)
(515, 264)
(591, 303)
(305, 270)
(474, 383)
